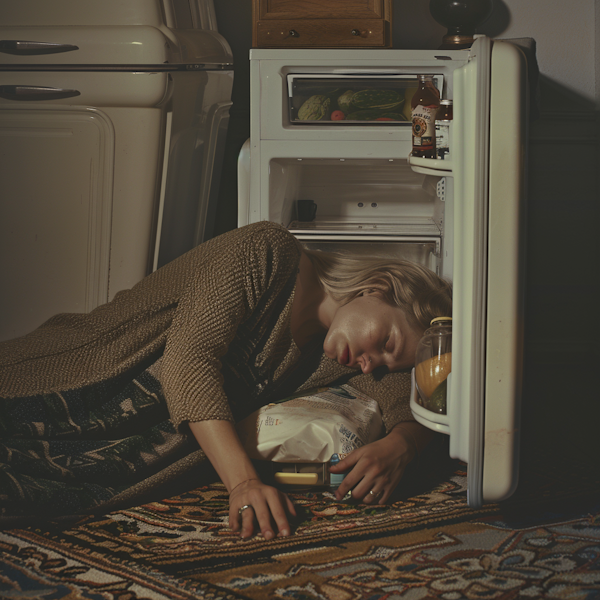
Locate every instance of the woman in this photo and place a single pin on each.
(242, 319)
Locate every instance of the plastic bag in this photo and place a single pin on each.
(312, 426)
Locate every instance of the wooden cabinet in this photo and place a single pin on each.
(321, 23)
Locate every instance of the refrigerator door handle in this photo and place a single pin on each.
(35, 92)
(26, 48)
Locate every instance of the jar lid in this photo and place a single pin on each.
(440, 319)
(446, 102)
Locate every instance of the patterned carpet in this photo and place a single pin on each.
(427, 545)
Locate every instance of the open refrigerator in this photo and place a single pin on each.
(461, 216)
(113, 118)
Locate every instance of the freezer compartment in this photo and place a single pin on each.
(281, 81)
(326, 99)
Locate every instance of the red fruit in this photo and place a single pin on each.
(384, 119)
(337, 115)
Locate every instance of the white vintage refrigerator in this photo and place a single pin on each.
(113, 117)
(461, 216)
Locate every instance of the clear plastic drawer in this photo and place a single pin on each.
(346, 99)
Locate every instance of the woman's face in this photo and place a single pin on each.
(368, 333)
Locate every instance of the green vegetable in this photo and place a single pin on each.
(382, 99)
(315, 108)
(345, 101)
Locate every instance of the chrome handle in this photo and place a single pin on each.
(25, 48)
(35, 92)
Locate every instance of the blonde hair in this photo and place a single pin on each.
(418, 291)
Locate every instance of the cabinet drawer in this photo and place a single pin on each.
(321, 33)
(320, 9)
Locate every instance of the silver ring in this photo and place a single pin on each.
(241, 510)
(372, 493)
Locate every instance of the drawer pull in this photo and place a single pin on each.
(355, 32)
(35, 92)
(25, 48)
(294, 33)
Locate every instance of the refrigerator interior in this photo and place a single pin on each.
(461, 216)
(112, 129)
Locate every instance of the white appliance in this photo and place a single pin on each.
(113, 118)
(461, 216)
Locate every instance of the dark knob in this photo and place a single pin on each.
(461, 17)
(294, 33)
(355, 32)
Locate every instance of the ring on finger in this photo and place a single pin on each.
(241, 510)
(374, 494)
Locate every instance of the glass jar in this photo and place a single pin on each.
(433, 363)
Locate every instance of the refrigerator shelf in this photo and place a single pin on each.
(430, 166)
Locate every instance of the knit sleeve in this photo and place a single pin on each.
(391, 392)
(239, 271)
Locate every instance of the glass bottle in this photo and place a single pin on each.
(433, 363)
(442, 129)
(424, 104)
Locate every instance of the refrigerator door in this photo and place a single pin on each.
(488, 167)
(96, 46)
(505, 287)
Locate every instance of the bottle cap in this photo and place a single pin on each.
(446, 102)
(439, 319)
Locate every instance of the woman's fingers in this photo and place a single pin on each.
(247, 519)
(265, 505)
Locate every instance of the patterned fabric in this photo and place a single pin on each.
(67, 453)
(426, 544)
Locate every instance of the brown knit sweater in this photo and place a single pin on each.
(220, 317)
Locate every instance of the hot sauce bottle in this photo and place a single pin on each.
(424, 104)
(442, 129)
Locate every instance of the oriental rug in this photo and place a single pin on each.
(429, 544)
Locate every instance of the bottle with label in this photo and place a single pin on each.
(424, 104)
(442, 129)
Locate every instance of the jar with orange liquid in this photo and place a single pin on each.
(433, 363)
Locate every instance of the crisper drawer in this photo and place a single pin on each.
(342, 100)
(321, 33)
(345, 95)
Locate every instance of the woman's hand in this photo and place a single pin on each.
(267, 505)
(376, 469)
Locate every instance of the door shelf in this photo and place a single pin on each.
(435, 421)
(430, 166)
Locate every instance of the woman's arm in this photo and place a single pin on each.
(222, 446)
(379, 466)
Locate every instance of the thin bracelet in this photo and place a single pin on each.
(412, 437)
(240, 483)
